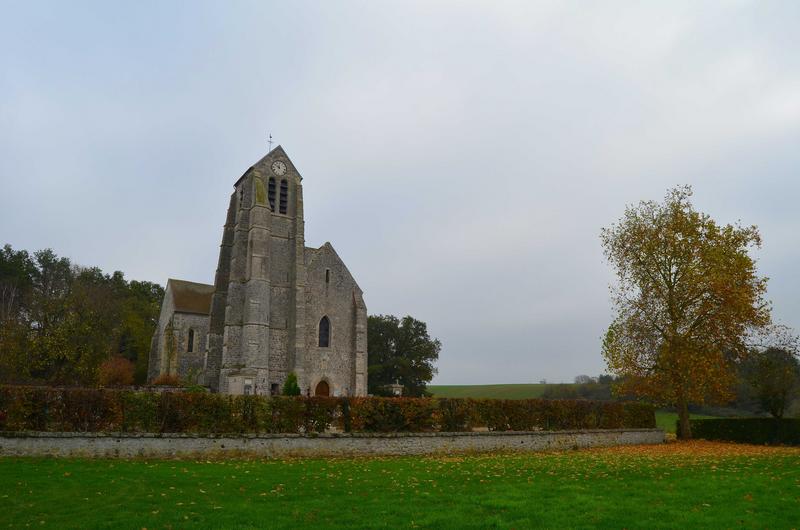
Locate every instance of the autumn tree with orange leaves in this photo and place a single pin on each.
(686, 297)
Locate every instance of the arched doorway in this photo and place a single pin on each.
(322, 389)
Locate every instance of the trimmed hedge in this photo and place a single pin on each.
(102, 410)
(748, 430)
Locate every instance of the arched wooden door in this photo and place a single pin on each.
(322, 389)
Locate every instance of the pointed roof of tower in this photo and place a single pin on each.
(265, 162)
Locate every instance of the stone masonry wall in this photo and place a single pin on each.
(334, 298)
(190, 365)
(156, 361)
(282, 445)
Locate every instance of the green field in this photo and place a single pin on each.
(667, 420)
(517, 391)
(672, 486)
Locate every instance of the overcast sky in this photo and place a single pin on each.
(461, 157)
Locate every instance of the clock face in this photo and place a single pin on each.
(279, 168)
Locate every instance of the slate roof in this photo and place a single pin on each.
(191, 297)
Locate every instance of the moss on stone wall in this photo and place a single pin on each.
(261, 192)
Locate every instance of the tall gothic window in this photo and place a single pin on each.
(271, 193)
(284, 200)
(324, 333)
(190, 342)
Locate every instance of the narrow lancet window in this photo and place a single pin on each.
(190, 342)
(324, 333)
(284, 200)
(271, 193)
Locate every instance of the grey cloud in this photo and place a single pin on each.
(461, 157)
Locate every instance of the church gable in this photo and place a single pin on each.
(273, 182)
(179, 341)
(276, 157)
(335, 334)
(263, 168)
(325, 267)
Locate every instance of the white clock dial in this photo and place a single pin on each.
(279, 168)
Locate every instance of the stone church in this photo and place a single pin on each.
(276, 306)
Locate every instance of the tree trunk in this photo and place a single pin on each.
(684, 429)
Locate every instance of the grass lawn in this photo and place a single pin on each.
(678, 485)
(518, 391)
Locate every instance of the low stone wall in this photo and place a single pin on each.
(281, 445)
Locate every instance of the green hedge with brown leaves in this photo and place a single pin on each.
(98, 410)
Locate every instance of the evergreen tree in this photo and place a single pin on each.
(290, 386)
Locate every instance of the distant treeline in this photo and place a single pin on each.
(585, 387)
(761, 388)
(59, 322)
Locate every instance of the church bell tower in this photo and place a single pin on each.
(256, 322)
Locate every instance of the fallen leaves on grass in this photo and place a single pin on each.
(697, 448)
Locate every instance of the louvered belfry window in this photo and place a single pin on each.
(284, 200)
(271, 193)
